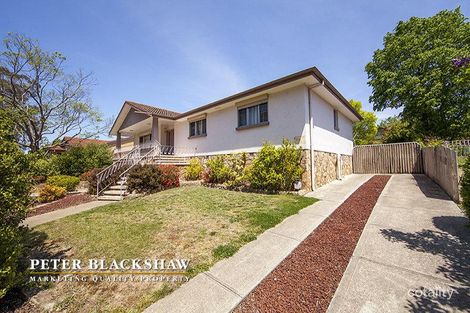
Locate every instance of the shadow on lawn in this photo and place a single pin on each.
(36, 247)
(452, 243)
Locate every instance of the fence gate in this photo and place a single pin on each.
(392, 158)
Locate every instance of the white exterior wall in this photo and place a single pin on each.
(325, 137)
(286, 115)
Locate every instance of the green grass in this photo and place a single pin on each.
(196, 223)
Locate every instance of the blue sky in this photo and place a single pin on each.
(183, 54)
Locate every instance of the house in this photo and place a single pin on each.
(68, 142)
(303, 107)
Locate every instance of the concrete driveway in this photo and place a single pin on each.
(413, 255)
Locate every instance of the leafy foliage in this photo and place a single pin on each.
(228, 170)
(46, 102)
(465, 189)
(170, 176)
(395, 129)
(364, 131)
(64, 181)
(14, 198)
(194, 170)
(43, 166)
(414, 71)
(150, 178)
(276, 169)
(50, 193)
(78, 160)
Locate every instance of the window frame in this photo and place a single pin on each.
(246, 108)
(203, 127)
(336, 119)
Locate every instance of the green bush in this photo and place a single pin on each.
(64, 181)
(194, 170)
(50, 193)
(465, 189)
(276, 169)
(145, 179)
(43, 166)
(216, 171)
(78, 160)
(14, 197)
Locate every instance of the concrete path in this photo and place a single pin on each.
(413, 255)
(223, 287)
(54, 215)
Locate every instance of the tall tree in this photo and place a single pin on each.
(414, 71)
(46, 102)
(364, 131)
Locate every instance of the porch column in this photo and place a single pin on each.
(155, 129)
(118, 141)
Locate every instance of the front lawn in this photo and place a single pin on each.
(193, 222)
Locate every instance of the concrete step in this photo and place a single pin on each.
(109, 198)
(118, 187)
(114, 192)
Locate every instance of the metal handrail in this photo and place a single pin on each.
(131, 159)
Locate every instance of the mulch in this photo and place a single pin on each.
(67, 201)
(307, 279)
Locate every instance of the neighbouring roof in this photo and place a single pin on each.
(77, 141)
(313, 71)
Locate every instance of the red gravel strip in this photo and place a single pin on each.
(307, 279)
(68, 201)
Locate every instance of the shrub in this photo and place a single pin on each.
(42, 167)
(50, 193)
(14, 197)
(170, 176)
(465, 189)
(145, 179)
(78, 160)
(194, 170)
(88, 174)
(276, 169)
(64, 181)
(216, 171)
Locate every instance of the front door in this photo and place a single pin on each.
(170, 140)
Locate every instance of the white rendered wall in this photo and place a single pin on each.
(325, 137)
(286, 114)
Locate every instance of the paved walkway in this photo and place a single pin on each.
(223, 287)
(54, 215)
(413, 255)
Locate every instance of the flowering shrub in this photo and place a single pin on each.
(170, 176)
(50, 193)
(67, 182)
(194, 170)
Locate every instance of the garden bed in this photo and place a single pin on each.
(67, 201)
(307, 279)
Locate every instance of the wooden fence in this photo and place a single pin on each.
(461, 147)
(440, 164)
(395, 158)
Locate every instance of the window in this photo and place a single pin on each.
(145, 139)
(335, 119)
(254, 115)
(197, 128)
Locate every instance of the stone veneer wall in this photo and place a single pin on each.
(346, 165)
(325, 167)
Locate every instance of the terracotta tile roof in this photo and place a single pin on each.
(153, 110)
(77, 141)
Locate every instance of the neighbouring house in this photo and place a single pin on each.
(68, 142)
(303, 107)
